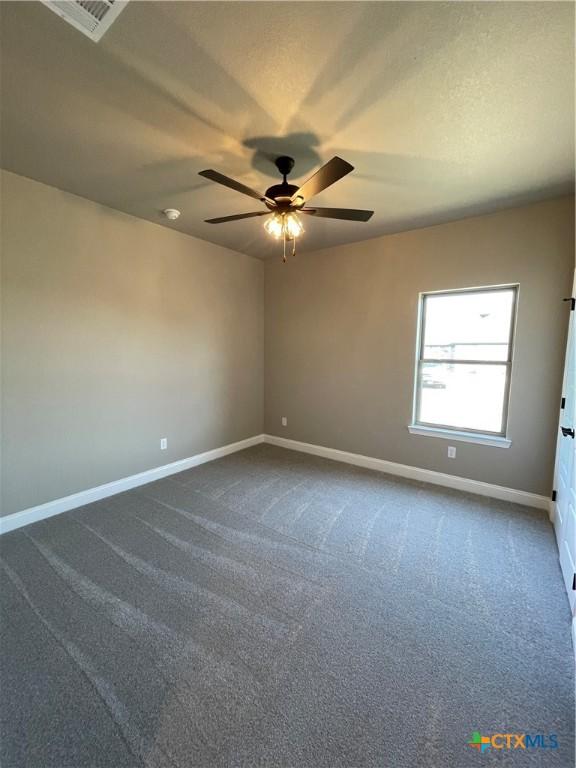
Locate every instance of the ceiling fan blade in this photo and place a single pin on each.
(222, 219)
(351, 214)
(333, 170)
(219, 178)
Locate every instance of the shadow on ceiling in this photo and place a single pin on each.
(301, 146)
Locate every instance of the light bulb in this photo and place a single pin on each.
(273, 225)
(292, 225)
(285, 225)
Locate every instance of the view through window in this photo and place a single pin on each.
(465, 359)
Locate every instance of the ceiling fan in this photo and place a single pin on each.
(284, 202)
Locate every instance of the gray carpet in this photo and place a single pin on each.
(275, 609)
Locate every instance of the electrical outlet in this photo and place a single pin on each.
(284, 421)
(163, 443)
(451, 452)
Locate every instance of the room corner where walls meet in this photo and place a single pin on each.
(174, 337)
(340, 339)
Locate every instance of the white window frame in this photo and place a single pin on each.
(427, 429)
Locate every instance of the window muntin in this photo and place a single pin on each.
(465, 359)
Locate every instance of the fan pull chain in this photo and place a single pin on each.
(284, 253)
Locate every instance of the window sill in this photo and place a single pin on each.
(463, 437)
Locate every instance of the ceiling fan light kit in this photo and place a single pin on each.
(284, 201)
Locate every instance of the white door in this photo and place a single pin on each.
(565, 472)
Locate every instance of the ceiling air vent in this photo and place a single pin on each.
(92, 17)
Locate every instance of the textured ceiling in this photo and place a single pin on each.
(444, 109)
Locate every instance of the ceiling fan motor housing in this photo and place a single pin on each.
(282, 193)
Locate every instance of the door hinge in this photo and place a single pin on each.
(562, 403)
(572, 301)
(554, 495)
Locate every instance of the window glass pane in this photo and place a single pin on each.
(462, 396)
(468, 326)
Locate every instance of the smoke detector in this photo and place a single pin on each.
(91, 17)
(171, 213)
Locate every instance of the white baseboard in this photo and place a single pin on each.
(51, 508)
(41, 512)
(415, 473)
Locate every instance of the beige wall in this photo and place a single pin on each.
(117, 332)
(340, 331)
